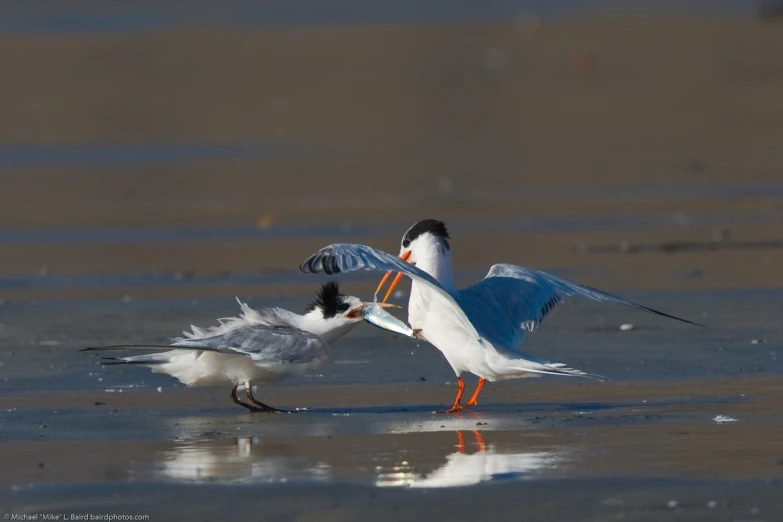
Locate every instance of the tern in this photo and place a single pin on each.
(478, 329)
(258, 347)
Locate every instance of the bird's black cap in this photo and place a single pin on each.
(432, 226)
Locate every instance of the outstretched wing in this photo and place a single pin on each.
(519, 298)
(344, 257)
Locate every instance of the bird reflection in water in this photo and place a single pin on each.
(246, 460)
(465, 469)
(239, 460)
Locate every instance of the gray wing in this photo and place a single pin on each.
(265, 343)
(345, 257)
(265, 335)
(514, 299)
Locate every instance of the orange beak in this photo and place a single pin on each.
(404, 257)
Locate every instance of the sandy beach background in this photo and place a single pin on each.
(157, 160)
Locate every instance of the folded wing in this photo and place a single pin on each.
(263, 335)
(278, 344)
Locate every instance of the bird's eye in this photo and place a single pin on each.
(406, 243)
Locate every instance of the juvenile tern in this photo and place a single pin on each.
(258, 347)
(478, 329)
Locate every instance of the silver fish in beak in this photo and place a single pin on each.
(377, 316)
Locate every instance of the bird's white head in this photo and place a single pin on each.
(426, 245)
(332, 314)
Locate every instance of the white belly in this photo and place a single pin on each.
(462, 351)
(215, 369)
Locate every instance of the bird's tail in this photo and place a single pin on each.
(561, 369)
(503, 365)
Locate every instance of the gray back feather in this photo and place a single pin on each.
(265, 335)
(265, 343)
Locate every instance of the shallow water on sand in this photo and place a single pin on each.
(370, 418)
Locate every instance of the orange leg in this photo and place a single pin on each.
(461, 441)
(480, 440)
(474, 400)
(457, 406)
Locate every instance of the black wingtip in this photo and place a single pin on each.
(114, 361)
(320, 262)
(127, 346)
(306, 267)
(664, 314)
(98, 348)
(112, 347)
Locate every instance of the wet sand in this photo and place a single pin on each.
(151, 174)
(598, 449)
(371, 435)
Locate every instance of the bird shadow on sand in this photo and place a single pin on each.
(408, 408)
(519, 407)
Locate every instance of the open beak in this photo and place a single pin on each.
(397, 279)
(357, 314)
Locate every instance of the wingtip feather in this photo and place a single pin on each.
(669, 316)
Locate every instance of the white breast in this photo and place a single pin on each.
(214, 369)
(446, 332)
